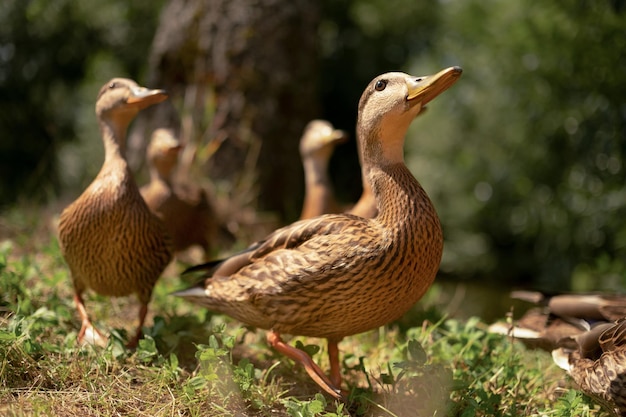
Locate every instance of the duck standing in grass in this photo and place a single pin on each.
(316, 147)
(110, 240)
(189, 217)
(339, 274)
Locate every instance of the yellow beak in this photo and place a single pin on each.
(424, 89)
(146, 97)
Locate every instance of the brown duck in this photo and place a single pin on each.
(366, 205)
(561, 315)
(588, 306)
(597, 363)
(189, 217)
(110, 240)
(338, 274)
(316, 147)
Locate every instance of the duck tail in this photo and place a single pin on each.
(208, 266)
(193, 292)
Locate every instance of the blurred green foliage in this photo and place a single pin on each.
(523, 157)
(47, 50)
(360, 39)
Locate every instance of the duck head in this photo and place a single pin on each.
(319, 138)
(121, 99)
(163, 151)
(388, 106)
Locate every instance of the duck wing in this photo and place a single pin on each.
(288, 237)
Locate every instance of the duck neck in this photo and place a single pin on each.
(372, 151)
(400, 197)
(318, 198)
(114, 138)
(161, 174)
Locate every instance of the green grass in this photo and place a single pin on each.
(195, 363)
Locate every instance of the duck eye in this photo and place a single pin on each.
(112, 85)
(380, 85)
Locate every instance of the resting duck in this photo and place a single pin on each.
(597, 363)
(186, 211)
(339, 274)
(316, 147)
(110, 240)
(597, 307)
(561, 315)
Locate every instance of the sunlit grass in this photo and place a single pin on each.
(195, 363)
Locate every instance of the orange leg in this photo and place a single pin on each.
(333, 358)
(143, 311)
(87, 333)
(314, 371)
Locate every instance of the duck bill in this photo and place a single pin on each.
(424, 89)
(145, 97)
(175, 149)
(339, 136)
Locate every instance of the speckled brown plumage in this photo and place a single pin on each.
(110, 240)
(598, 364)
(317, 144)
(340, 274)
(189, 217)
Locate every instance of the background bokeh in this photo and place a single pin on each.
(523, 157)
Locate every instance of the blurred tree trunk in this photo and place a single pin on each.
(244, 74)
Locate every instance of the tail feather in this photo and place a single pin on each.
(192, 292)
(208, 266)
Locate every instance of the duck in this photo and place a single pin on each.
(589, 306)
(111, 241)
(337, 275)
(366, 204)
(317, 144)
(560, 315)
(596, 361)
(186, 210)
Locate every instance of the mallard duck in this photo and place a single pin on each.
(539, 329)
(339, 274)
(189, 217)
(110, 240)
(560, 316)
(597, 363)
(316, 147)
(599, 307)
(366, 205)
